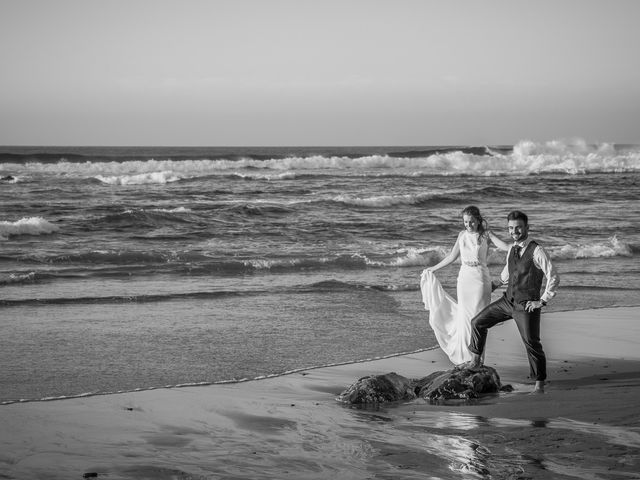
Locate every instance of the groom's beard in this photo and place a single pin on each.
(519, 238)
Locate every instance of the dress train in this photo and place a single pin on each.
(451, 334)
(451, 320)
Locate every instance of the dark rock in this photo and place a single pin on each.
(507, 388)
(456, 384)
(389, 387)
(459, 384)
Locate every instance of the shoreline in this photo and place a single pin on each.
(291, 426)
(260, 377)
(220, 382)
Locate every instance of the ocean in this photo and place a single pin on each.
(127, 268)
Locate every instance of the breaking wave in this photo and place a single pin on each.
(26, 226)
(383, 200)
(140, 179)
(572, 157)
(612, 248)
(18, 278)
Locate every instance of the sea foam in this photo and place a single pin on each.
(383, 200)
(140, 179)
(613, 248)
(277, 176)
(18, 278)
(26, 226)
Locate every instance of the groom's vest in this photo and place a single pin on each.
(525, 279)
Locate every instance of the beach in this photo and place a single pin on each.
(216, 221)
(586, 425)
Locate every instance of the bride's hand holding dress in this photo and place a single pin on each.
(450, 320)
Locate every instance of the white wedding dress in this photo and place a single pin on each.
(450, 320)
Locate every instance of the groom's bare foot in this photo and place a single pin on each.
(538, 389)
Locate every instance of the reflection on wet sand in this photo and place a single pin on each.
(501, 447)
(627, 436)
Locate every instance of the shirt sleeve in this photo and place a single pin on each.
(504, 276)
(543, 262)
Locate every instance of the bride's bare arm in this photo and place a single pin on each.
(498, 242)
(449, 259)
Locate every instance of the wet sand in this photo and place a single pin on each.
(586, 425)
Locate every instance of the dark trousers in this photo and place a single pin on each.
(528, 325)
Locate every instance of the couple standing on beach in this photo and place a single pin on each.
(461, 327)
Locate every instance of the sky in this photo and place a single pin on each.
(318, 73)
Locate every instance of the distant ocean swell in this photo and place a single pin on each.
(124, 262)
(168, 171)
(143, 217)
(414, 257)
(525, 158)
(193, 263)
(39, 226)
(48, 155)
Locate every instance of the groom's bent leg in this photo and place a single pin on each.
(529, 326)
(491, 315)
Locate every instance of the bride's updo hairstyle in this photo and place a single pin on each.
(474, 212)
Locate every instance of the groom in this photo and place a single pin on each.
(527, 264)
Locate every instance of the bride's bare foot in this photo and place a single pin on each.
(475, 362)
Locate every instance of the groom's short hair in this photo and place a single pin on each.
(518, 215)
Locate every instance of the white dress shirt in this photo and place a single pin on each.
(543, 262)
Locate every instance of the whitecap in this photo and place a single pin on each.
(26, 226)
(140, 179)
(613, 248)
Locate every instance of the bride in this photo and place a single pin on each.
(449, 320)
